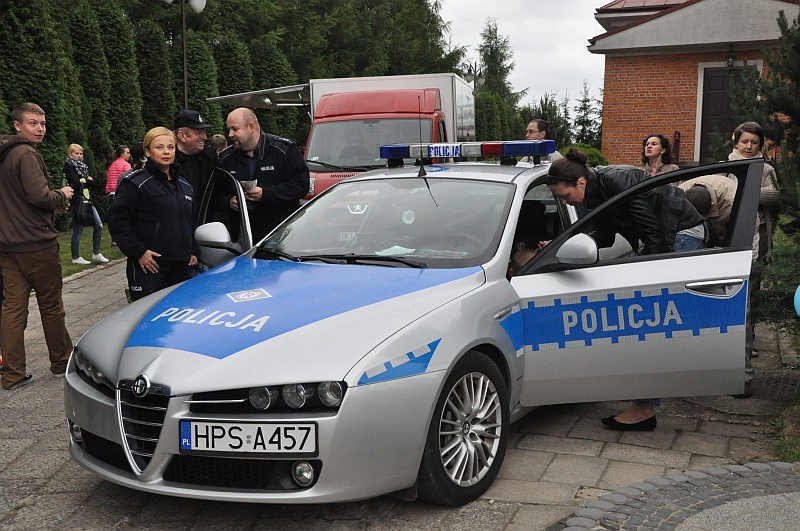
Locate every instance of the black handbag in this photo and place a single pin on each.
(84, 213)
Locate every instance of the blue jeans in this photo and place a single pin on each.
(684, 242)
(77, 230)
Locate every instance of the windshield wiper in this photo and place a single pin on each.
(334, 167)
(365, 259)
(280, 254)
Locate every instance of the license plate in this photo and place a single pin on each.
(256, 438)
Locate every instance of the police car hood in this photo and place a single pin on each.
(262, 322)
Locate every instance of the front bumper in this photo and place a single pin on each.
(372, 446)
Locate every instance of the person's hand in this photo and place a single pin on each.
(148, 261)
(541, 245)
(254, 194)
(192, 261)
(234, 204)
(67, 191)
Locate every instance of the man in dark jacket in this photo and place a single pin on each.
(29, 255)
(197, 161)
(274, 163)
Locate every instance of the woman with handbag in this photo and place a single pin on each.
(83, 211)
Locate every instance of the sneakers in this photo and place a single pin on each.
(81, 261)
(98, 258)
(22, 383)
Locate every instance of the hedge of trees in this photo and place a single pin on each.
(105, 71)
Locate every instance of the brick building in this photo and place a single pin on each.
(669, 65)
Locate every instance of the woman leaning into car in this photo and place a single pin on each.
(151, 219)
(653, 218)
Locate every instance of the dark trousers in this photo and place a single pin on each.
(142, 284)
(41, 271)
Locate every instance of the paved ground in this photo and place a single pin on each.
(562, 468)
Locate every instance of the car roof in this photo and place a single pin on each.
(456, 170)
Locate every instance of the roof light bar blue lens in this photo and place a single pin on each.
(395, 151)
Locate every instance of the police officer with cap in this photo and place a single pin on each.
(197, 161)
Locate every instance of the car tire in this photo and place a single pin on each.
(460, 463)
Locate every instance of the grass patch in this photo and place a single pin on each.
(789, 434)
(109, 251)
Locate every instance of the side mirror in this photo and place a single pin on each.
(214, 235)
(581, 249)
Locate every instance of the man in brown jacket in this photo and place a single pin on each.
(29, 255)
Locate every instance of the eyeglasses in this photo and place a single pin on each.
(531, 131)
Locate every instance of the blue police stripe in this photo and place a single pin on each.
(553, 323)
(409, 364)
(201, 317)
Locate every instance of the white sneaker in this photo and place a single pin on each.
(80, 261)
(99, 258)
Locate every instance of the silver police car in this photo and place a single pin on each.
(385, 336)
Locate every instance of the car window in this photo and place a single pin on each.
(731, 234)
(441, 223)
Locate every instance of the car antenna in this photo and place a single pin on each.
(422, 172)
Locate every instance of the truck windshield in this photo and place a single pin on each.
(357, 142)
(398, 222)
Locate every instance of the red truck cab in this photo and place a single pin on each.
(349, 128)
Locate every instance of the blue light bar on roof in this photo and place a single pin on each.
(516, 148)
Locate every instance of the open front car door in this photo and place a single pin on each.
(222, 232)
(595, 327)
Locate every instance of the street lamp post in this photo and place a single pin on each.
(197, 6)
(475, 75)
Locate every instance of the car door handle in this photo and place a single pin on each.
(502, 313)
(717, 288)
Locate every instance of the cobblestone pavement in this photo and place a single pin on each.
(562, 468)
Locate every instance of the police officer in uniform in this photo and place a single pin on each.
(275, 164)
(197, 161)
(152, 219)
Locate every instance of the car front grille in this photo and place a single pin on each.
(234, 473)
(142, 420)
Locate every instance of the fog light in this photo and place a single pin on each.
(262, 397)
(296, 395)
(303, 473)
(330, 393)
(75, 432)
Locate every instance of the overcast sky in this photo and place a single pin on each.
(548, 39)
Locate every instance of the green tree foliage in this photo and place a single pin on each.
(272, 69)
(774, 101)
(586, 126)
(202, 74)
(159, 100)
(234, 68)
(5, 126)
(88, 55)
(125, 96)
(556, 116)
(37, 68)
(593, 155)
(496, 57)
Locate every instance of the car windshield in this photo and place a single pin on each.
(356, 143)
(401, 222)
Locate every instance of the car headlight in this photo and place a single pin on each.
(330, 393)
(84, 365)
(263, 397)
(296, 395)
(317, 395)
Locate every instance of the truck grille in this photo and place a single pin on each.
(142, 419)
